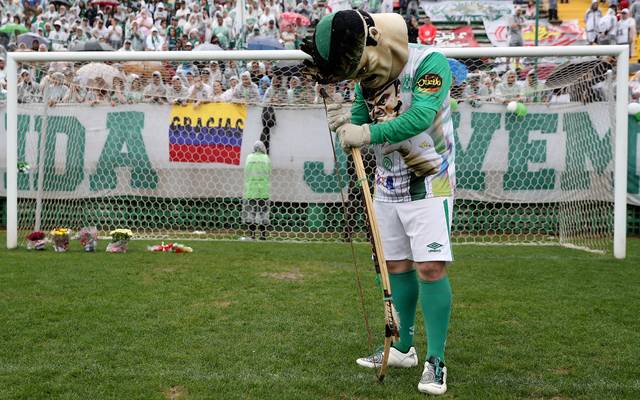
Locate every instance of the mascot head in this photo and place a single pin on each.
(353, 44)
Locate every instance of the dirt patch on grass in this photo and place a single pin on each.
(290, 276)
(214, 304)
(175, 393)
(562, 371)
(149, 276)
(147, 279)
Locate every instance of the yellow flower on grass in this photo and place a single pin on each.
(122, 232)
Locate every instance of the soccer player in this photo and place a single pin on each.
(401, 108)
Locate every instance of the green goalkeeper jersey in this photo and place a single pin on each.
(411, 129)
(257, 177)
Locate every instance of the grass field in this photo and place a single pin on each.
(246, 320)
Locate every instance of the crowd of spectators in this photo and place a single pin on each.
(495, 87)
(615, 26)
(153, 25)
(156, 25)
(186, 82)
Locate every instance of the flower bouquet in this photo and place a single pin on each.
(170, 248)
(88, 237)
(36, 240)
(119, 241)
(61, 239)
(23, 167)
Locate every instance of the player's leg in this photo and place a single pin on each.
(404, 288)
(249, 217)
(428, 223)
(435, 300)
(262, 217)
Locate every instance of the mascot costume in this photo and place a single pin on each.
(401, 109)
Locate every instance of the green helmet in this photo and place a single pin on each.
(337, 45)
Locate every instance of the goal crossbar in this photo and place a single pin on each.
(620, 146)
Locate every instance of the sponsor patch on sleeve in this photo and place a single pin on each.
(429, 83)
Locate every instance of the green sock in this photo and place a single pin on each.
(404, 291)
(435, 299)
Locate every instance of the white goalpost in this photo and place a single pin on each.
(556, 175)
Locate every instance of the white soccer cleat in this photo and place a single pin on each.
(434, 377)
(397, 359)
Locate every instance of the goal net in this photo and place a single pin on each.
(161, 148)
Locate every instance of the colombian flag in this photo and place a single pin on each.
(210, 133)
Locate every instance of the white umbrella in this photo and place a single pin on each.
(207, 47)
(29, 37)
(92, 71)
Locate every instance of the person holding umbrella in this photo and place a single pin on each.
(14, 28)
(31, 40)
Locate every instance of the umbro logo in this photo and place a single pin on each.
(434, 247)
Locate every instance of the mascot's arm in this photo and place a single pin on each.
(431, 87)
(359, 110)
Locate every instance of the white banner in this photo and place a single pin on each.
(466, 10)
(552, 154)
(566, 33)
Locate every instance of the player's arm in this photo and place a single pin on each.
(431, 87)
(359, 110)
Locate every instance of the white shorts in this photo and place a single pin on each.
(416, 230)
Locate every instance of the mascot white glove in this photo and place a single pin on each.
(417, 160)
(353, 135)
(337, 116)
